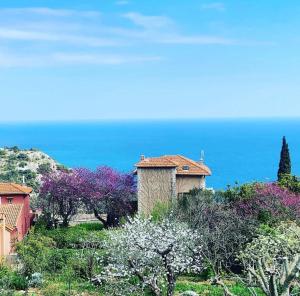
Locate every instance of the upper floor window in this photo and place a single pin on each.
(10, 200)
(185, 167)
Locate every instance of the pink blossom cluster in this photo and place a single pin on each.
(273, 199)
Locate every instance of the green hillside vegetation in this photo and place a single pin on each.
(31, 164)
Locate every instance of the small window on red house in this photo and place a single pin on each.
(10, 200)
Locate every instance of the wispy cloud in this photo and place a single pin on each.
(96, 59)
(219, 6)
(163, 30)
(45, 11)
(148, 22)
(47, 31)
(27, 35)
(204, 40)
(9, 60)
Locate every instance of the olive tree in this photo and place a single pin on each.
(273, 259)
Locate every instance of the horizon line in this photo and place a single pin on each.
(157, 119)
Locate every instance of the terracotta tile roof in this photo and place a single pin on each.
(12, 213)
(13, 188)
(183, 165)
(156, 162)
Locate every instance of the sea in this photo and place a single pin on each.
(236, 150)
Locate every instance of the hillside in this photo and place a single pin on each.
(30, 165)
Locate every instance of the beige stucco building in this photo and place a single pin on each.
(161, 179)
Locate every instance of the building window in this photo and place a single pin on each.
(185, 167)
(10, 200)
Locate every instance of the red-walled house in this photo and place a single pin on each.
(15, 215)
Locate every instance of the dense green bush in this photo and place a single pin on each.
(10, 279)
(61, 167)
(22, 164)
(34, 252)
(12, 158)
(2, 153)
(44, 168)
(36, 280)
(14, 175)
(71, 237)
(290, 182)
(237, 193)
(58, 259)
(23, 157)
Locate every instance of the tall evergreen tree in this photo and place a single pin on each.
(285, 160)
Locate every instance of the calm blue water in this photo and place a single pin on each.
(235, 150)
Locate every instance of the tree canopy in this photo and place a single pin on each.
(285, 160)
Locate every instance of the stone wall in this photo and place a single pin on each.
(155, 185)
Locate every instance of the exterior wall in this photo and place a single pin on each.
(155, 185)
(25, 218)
(2, 236)
(13, 240)
(187, 183)
(21, 226)
(5, 241)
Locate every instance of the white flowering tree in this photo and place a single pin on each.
(153, 253)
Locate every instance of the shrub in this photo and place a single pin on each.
(34, 252)
(10, 279)
(61, 167)
(53, 289)
(23, 157)
(36, 280)
(58, 259)
(70, 237)
(2, 153)
(223, 232)
(18, 281)
(13, 148)
(238, 193)
(22, 164)
(292, 183)
(67, 237)
(44, 168)
(160, 211)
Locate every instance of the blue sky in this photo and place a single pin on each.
(115, 59)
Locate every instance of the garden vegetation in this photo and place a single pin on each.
(243, 241)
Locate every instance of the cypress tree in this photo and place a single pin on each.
(285, 160)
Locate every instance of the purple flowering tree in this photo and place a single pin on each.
(270, 201)
(60, 195)
(108, 192)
